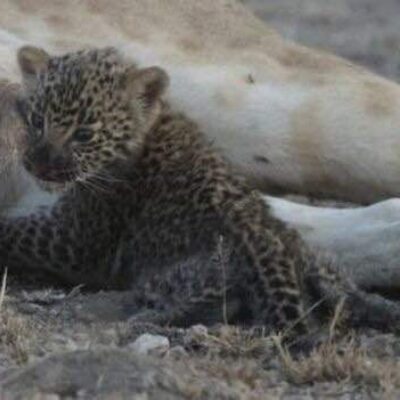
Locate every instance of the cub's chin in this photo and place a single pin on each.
(51, 186)
(51, 182)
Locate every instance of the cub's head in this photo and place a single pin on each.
(85, 111)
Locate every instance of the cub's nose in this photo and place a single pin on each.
(39, 155)
(44, 156)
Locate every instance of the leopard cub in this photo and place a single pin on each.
(145, 193)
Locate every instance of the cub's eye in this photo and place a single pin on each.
(83, 135)
(37, 121)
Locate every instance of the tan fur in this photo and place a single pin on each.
(307, 147)
(11, 140)
(380, 99)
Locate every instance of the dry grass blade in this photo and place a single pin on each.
(222, 262)
(337, 316)
(3, 288)
(305, 315)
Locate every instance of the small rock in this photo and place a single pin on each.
(150, 344)
(196, 337)
(198, 331)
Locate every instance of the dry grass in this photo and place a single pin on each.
(245, 377)
(231, 341)
(14, 330)
(343, 362)
(14, 336)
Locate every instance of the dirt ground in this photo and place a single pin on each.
(67, 344)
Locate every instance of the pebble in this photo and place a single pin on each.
(148, 344)
(199, 331)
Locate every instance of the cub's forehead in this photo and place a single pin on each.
(79, 86)
(105, 61)
(91, 73)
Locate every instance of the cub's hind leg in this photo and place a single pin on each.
(257, 281)
(266, 256)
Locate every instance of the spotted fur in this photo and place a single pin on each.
(147, 193)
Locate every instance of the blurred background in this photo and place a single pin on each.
(365, 31)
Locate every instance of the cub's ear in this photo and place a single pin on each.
(147, 84)
(32, 60)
